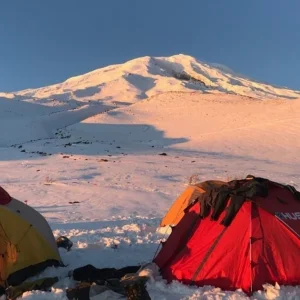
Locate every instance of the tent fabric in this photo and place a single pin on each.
(35, 219)
(21, 245)
(4, 197)
(27, 245)
(284, 206)
(247, 253)
(192, 192)
(176, 211)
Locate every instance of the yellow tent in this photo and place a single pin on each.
(191, 193)
(27, 245)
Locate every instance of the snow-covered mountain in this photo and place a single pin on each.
(148, 76)
(104, 175)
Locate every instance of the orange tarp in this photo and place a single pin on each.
(176, 212)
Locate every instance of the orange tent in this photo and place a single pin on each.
(191, 193)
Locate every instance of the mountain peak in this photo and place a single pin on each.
(143, 77)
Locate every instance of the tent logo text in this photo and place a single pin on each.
(288, 216)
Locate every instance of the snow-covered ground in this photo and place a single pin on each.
(108, 159)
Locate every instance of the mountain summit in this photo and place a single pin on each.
(144, 77)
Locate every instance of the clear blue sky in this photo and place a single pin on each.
(44, 42)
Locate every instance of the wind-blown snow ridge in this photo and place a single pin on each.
(144, 77)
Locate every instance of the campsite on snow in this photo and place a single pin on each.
(184, 171)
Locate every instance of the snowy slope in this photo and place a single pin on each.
(110, 164)
(148, 76)
(39, 123)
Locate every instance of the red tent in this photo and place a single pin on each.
(4, 197)
(249, 239)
